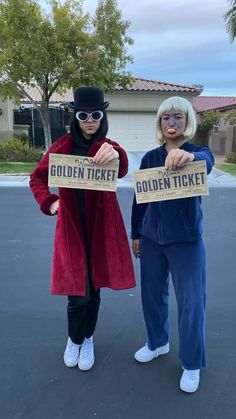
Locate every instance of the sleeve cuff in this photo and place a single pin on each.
(47, 203)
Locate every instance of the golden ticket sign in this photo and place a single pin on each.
(160, 184)
(66, 171)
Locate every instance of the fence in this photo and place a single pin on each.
(59, 119)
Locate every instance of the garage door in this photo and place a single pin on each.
(134, 131)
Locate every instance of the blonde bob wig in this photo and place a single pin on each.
(177, 103)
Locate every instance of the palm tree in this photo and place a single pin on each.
(230, 18)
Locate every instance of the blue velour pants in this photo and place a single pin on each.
(187, 264)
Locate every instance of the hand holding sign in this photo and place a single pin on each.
(177, 158)
(105, 154)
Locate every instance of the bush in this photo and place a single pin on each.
(24, 138)
(16, 150)
(208, 120)
(231, 158)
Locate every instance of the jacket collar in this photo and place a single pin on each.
(184, 146)
(66, 145)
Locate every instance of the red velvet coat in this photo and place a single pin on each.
(110, 254)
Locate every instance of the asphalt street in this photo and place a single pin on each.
(35, 383)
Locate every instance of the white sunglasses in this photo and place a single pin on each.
(84, 116)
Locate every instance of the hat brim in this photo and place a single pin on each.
(84, 108)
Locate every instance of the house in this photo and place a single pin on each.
(223, 138)
(132, 111)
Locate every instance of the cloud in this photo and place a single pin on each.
(182, 42)
(161, 16)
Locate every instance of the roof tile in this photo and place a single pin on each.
(141, 84)
(138, 85)
(205, 103)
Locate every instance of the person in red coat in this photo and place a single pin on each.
(91, 248)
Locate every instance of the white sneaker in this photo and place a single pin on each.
(145, 354)
(71, 354)
(190, 380)
(86, 356)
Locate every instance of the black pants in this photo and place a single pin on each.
(82, 314)
(82, 311)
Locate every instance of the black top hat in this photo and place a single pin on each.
(88, 99)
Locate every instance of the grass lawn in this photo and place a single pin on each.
(8, 168)
(14, 168)
(227, 167)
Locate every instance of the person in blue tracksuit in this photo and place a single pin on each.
(167, 237)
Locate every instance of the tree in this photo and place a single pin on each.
(230, 18)
(61, 49)
(208, 120)
(231, 117)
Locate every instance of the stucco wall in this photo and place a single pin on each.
(141, 101)
(222, 141)
(6, 119)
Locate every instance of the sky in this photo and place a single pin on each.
(180, 41)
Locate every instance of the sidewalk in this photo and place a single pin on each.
(217, 178)
(14, 181)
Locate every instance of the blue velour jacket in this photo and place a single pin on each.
(172, 221)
